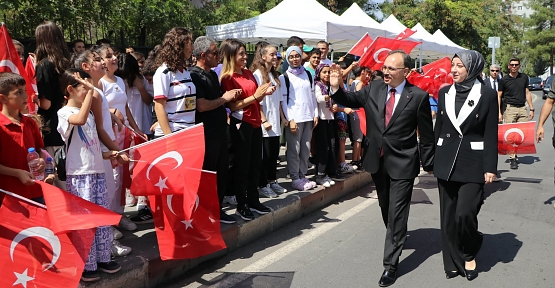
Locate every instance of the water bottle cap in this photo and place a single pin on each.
(31, 150)
(49, 159)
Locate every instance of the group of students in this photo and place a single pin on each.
(90, 101)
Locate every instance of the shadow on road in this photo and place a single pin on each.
(255, 280)
(497, 248)
(425, 242)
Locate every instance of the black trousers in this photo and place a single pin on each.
(459, 207)
(270, 154)
(216, 158)
(247, 160)
(394, 196)
(325, 147)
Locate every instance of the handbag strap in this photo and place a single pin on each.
(69, 139)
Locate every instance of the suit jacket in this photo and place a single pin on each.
(487, 82)
(398, 139)
(466, 146)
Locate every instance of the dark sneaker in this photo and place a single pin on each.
(259, 208)
(227, 219)
(110, 267)
(338, 177)
(143, 217)
(514, 164)
(90, 276)
(245, 213)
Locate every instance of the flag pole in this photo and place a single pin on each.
(23, 198)
(135, 132)
(161, 138)
(207, 171)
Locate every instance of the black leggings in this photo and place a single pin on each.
(270, 154)
(325, 150)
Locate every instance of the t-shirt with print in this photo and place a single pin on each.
(208, 87)
(246, 82)
(180, 94)
(83, 156)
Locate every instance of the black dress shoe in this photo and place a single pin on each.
(451, 274)
(387, 279)
(471, 274)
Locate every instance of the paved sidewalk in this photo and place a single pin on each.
(144, 268)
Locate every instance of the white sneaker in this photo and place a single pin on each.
(130, 200)
(346, 168)
(142, 202)
(116, 233)
(126, 224)
(266, 192)
(231, 200)
(329, 180)
(276, 188)
(321, 180)
(120, 250)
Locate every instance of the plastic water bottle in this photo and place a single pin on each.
(49, 167)
(33, 159)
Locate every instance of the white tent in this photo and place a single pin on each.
(356, 16)
(431, 47)
(440, 37)
(312, 22)
(392, 25)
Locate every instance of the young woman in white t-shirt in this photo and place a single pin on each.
(115, 92)
(84, 163)
(93, 64)
(264, 72)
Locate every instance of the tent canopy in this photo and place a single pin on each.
(440, 37)
(356, 16)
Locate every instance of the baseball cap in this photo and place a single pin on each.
(307, 48)
(278, 55)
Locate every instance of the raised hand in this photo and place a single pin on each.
(336, 78)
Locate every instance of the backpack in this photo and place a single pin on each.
(60, 158)
(288, 83)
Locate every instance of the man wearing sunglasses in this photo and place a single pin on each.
(513, 90)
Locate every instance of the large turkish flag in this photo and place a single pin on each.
(170, 165)
(516, 138)
(405, 34)
(435, 75)
(32, 255)
(182, 237)
(10, 62)
(375, 55)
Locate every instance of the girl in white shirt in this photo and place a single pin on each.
(84, 163)
(264, 72)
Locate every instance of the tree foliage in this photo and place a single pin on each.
(539, 36)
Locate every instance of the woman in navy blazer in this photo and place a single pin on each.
(465, 160)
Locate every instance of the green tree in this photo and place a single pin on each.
(540, 36)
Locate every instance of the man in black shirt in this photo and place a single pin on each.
(513, 89)
(211, 112)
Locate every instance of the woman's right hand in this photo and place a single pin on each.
(293, 127)
(261, 91)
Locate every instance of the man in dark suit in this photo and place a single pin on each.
(394, 110)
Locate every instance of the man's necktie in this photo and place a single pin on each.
(389, 106)
(495, 85)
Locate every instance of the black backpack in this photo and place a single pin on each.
(288, 83)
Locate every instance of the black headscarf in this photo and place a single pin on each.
(473, 61)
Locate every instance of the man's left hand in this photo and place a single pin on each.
(531, 116)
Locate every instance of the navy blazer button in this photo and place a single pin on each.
(448, 135)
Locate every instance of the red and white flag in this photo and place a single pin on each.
(182, 237)
(361, 46)
(516, 138)
(32, 254)
(377, 52)
(435, 76)
(362, 119)
(170, 165)
(405, 34)
(68, 212)
(31, 73)
(10, 62)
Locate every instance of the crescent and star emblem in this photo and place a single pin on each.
(10, 65)
(40, 232)
(162, 182)
(188, 223)
(377, 54)
(513, 130)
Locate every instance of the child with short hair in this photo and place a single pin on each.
(313, 61)
(18, 133)
(84, 163)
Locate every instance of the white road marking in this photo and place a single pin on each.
(282, 252)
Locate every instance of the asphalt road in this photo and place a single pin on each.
(342, 244)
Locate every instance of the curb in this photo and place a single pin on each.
(144, 268)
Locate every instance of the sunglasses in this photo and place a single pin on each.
(494, 70)
(514, 65)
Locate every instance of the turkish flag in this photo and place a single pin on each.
(10, 62)
(375, 55)
(516, 138)
(405, 34)
(362, 119)
(435, 75)
(131, 139)
(360, 47)
(182, 237)
(33, 256)
(83, 214)
(170, 165)
(31, 73)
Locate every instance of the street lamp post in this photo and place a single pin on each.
(493, 43)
